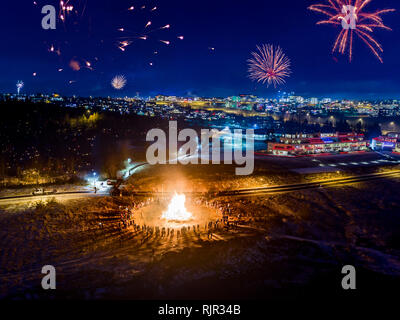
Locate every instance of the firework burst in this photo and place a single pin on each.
(19, 85)
(71, 7)
(147, 26)
(269, 65)
(338, 12)
(118, 82)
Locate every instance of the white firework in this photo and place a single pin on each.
(118, 82)
(20, 85)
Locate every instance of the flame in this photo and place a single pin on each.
(177, 210)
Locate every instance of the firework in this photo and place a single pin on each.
(75, 65)
(269, 65)
(65, 44)
(146, 31)
(20, 85)
(118, 82)
(71, 7)
(339, 13)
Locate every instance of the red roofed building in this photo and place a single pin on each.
(386, 142)
(295, 145)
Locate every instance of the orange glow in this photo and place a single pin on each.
(176, 209)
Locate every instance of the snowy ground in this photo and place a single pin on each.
(290, 246)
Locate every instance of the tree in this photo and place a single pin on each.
(2, 168)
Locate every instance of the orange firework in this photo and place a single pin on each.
(70, 7)
(351, 17)
(269, 65)
(129, 37)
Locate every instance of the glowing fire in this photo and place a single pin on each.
(176, 209)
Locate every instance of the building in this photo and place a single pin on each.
(326, 100)
(387, 142)
(397, 148)
(306, 144)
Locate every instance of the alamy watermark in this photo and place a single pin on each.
(349, 21)
(49, 280)
(349, 280)
(49, 20)
(195, 148)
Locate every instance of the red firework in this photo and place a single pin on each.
(338, 12)
(269, 65)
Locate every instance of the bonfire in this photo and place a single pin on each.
(176, 209)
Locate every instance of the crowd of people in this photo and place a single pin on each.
(129, 219)
(231, 216)
(240, 211)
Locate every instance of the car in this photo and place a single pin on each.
(41, 191)
(37, 191)
(111, 182)
(54, 191)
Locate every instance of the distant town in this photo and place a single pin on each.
(249, 104)
(287, 126)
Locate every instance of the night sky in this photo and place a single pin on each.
(189, 67)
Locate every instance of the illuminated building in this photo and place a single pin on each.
(302, 144)
(397, 148)
(387, 142)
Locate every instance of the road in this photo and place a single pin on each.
(239, 192)
(296, 187)
(66, 196)
(310, 185)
